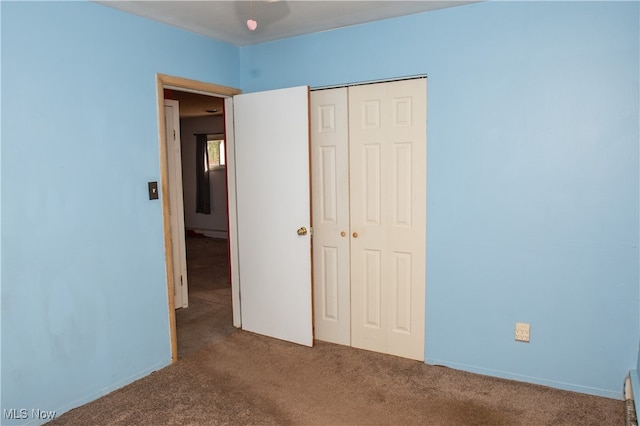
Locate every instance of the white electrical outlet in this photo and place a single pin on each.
(522, 331)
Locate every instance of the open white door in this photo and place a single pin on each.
(273, 213)
(176, 212)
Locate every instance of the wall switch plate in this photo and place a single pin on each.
(153, 190)
(523, 330)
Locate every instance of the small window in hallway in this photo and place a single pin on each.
(215, 151)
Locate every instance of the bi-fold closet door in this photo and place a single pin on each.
(369, 165)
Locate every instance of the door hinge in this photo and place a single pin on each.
(181, 282)
(174, 134)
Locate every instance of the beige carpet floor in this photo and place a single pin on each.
(209, 316)
(230, 377)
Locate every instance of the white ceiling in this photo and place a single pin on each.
(277, 19)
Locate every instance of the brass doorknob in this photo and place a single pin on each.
(302, 231)
(355, 235)
(342, 234)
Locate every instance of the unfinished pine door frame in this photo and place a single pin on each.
(186, 85)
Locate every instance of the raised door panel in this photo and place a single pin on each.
(330, 217)
(388, 216)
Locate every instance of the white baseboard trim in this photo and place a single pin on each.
(534, 380)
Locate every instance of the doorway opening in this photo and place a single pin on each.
(210, 312)
(207, 316)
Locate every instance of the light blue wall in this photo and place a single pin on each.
(532, 185)
(532, 176)
(84, 301)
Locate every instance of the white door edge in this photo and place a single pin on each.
(232, 209)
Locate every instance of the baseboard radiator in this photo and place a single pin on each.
(211, 233)
(630, 406)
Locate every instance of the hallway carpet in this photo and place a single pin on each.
(209, 316)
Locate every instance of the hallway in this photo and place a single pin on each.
(209, 316)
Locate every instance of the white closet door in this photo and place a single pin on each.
(387, 134)
(273, 203)
(330, 200)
